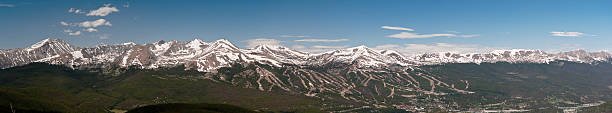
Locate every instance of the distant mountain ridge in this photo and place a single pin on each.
(365, 78)
(208, 56)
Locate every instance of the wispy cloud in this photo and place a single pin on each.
(317, 48)
(7, 5)
(103, 11)
(67, 30)
(64, 23)
(262, 41)
(413, 49)
(566, 34)
(91, 30)
(96, 23)
(88, 24)
(397, 28)
(72, 33)
(77, 11)
(322, 40)
(75, 33)
(404, 35)
(293, 36)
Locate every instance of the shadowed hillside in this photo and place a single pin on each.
(43, 87)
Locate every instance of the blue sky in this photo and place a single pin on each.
(317, 25)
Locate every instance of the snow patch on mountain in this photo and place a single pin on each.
(38, 44)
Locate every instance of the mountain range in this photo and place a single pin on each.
(209, 56)
(357, 79)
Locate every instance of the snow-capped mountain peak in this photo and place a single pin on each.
(208, 56)
(276, 48)
(517, 52)
(584, 56)
(127, 44)
(45, 49)
(39, 44)
(399, 57)
(223, 43)
(390, 52)
(196, 44)
(362, 56)
(49, 42)
(360, 47)
(276, 54)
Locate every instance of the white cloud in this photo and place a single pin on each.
(322, 40)
(413, 49)
(75, 33)
(317, 48)
(407, 49)
(293, 36)
(469, 36)
(64, 23)
(91, 30)
(77, 11)
(262, 41)
(404, 35)
(96, 23)
(103, 11)
(72, 33)
(7, 5)
(397, 28)
(566, 34)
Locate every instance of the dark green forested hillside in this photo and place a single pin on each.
(44, 87)
(190, 108)
(40, 87)
(558, 84)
